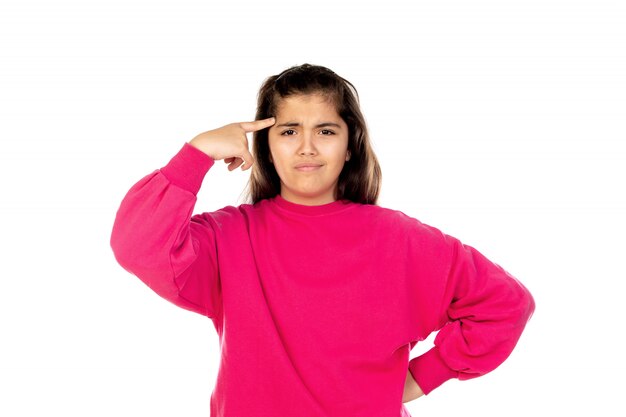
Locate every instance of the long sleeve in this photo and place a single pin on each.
(156, 237)
(481, 317)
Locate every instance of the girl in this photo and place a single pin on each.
(317, 294)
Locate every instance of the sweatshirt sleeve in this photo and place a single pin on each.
(156, 238)
(482, 314)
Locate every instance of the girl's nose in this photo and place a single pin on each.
(307, 146)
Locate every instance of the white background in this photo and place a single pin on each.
(500, 122)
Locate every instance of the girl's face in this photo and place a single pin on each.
(308, 129)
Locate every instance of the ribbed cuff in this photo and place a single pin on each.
(430, 371)
(188, 168)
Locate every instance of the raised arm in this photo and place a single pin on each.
(156, 237)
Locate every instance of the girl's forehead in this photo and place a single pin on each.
(300, 101)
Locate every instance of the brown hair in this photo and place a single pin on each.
(360, 179)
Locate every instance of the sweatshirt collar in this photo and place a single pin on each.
(332, 207)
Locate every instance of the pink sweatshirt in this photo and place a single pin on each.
(318, 307)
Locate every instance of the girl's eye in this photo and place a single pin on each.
(330, 132)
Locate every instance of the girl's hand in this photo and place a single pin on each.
(411, 389)
(230, 142)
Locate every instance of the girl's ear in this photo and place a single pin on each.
(348, 157)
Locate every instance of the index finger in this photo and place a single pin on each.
(257, 124)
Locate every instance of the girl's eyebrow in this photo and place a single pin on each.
(323, 124)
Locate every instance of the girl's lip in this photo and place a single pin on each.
(308, 167)
(308, 164)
